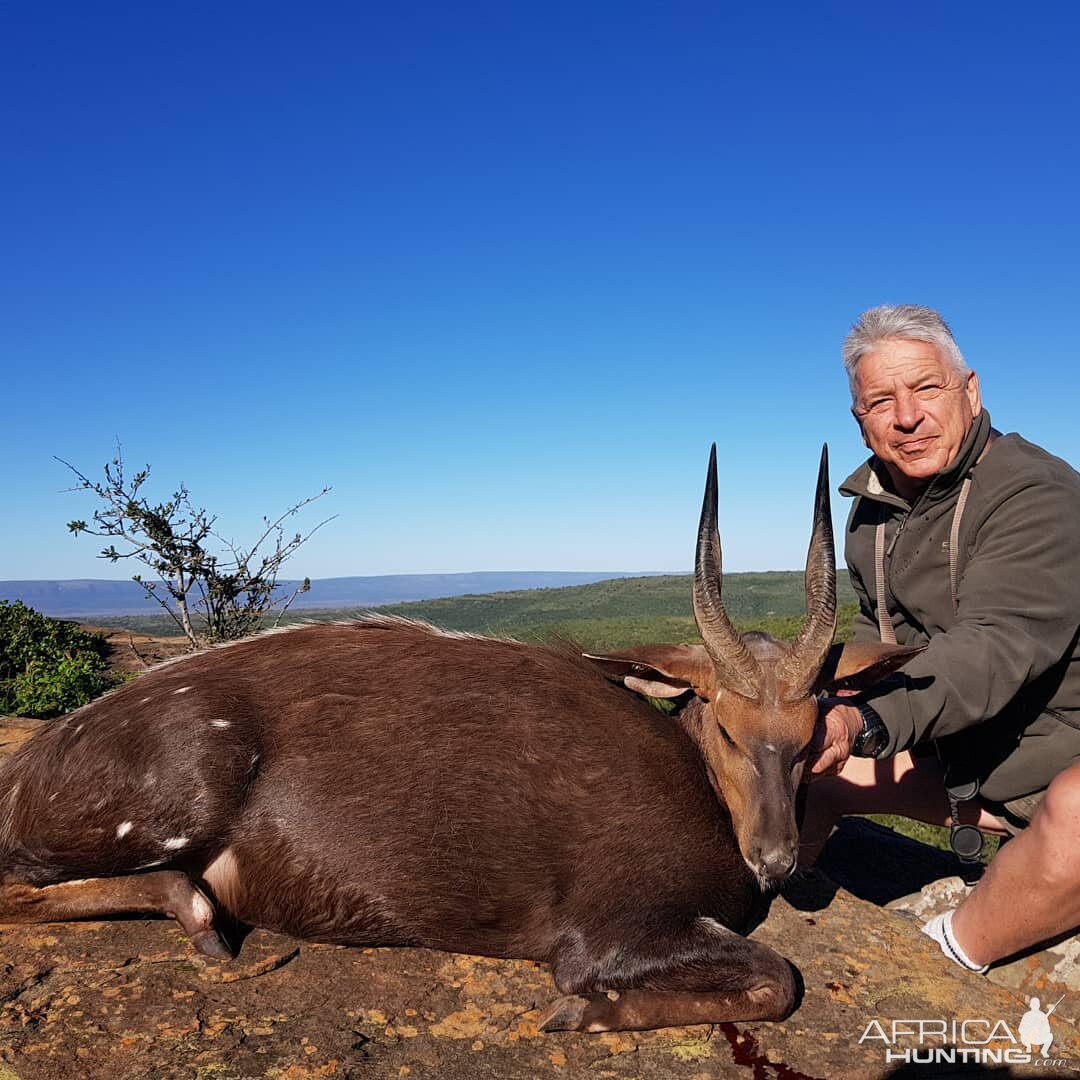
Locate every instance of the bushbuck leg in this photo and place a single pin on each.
(706, 975)
(166, 892)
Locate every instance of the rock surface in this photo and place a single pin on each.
(130, 652)
(131, 999)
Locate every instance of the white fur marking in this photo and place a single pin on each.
(123, 829)
(144, 701)
(220, 724)
(713, 925)
(223, 876)
(78, 728)
(175, 843)
(182, 690)
(769, 746)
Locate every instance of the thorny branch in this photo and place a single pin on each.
(230, 592)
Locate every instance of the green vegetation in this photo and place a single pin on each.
(628, 611)
(606, 614)
(47, 666)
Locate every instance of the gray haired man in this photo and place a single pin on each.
(965, 541)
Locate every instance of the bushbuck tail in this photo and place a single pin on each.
(383, 782)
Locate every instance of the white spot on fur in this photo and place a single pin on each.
(123, 829)
(175, 843)
(150, 779)
(54, 796)
(144, 701)
(220, 723)
(182, 690)
(148, 865)
(769, 746)
(78, 728)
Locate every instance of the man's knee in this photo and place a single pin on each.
(1056, 823)
(1060, 806)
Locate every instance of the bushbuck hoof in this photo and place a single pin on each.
(210, 943)
(566, 1014)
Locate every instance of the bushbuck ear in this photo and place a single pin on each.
(858, 665)
(662, 671)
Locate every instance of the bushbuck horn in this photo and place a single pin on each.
(802, 666)
(735, 665)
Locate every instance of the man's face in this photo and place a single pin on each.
(913, 409)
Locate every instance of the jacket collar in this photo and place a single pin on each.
(871, 479)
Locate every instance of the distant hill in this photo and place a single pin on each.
(629, 611)
(604, 614)
(86, 598)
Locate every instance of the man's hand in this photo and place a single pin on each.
(837, 726)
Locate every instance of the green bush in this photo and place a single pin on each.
(48, 666)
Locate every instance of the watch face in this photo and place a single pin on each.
(874, 736)
(873, 742)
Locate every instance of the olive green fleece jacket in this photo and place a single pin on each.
(998, 685)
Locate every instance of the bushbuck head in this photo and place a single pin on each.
(755, 698)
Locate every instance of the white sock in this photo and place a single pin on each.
(940, 929)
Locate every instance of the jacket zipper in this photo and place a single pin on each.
(904, 520)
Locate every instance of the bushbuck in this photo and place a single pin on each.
(384, 782)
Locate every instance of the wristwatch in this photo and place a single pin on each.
(874, 736)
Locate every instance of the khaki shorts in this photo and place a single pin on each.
(1015, 814)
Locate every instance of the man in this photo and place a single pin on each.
(992, 589)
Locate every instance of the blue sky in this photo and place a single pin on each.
(499, 273)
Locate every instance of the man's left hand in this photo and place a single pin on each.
(837, 726)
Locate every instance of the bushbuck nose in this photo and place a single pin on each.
(778, 864)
